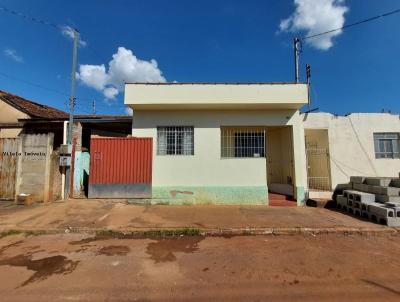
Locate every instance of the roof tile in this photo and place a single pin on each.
(34, 110)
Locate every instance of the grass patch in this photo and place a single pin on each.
(34, 233)
(10, 233)
(18, 232)
(148, 234)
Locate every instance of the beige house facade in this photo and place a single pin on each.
(9, 117)
(222, 143)
(338, 147)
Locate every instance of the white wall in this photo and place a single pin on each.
(351, 143)
(206, 167)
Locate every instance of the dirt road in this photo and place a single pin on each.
(73, 267)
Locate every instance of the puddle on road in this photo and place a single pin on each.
(114, 250)
(163, 250)
(43, 268)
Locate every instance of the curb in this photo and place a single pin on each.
(178, 232)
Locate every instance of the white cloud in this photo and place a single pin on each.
(94, 76)
(110, 92)
(12, 54)
(68, 32)
(128, 111)
(315, 17)
(124, 67)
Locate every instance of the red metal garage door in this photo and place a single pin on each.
(120, 167)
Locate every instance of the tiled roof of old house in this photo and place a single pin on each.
(34, 110)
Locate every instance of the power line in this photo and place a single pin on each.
(354, 24)
(30, 18)
(40, 86)
(32, 84)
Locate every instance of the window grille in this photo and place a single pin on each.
(175, 140)
(242, 142)
(386, 145)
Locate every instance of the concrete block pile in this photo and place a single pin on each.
(374, 198)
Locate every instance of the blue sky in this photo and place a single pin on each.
(198, 41)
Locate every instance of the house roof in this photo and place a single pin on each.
(33, 109)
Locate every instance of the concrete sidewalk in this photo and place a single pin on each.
(95, 215)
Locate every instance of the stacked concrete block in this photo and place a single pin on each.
(386, 198)
(357, 179)
(341, 202)
(375, 198)
(389, 191)
(364, 208)
(362, 187)
(378, 181)
(383, 214)
(396, 207)
(355, 200)
(395, 183)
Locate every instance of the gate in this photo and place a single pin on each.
(120, 167)
(8, 167)
(318, 169)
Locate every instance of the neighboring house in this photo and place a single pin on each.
(16, 112)
(20, 116)
(222, 143)
(338, 147)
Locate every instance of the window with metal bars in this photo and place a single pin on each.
(242, 142)
(386, 145)
(175, 140)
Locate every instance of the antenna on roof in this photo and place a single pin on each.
(308, 73)
(94, 107)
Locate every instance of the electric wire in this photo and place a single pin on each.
(353, 24)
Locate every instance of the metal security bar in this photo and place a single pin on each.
(175, 140)
(242, 142)
(386, 145)
(318, 169)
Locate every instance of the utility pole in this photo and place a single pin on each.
(68, 174)
(94, 107)
(73, 86)
(297, 50)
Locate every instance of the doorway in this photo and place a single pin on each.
(280, 165)
(318, 160)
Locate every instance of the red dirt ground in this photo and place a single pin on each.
(248, 268)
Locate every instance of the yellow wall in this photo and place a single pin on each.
(218, 96)
(9, 132)
(9, 114)
(206, 167)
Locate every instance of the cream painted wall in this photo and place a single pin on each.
(206, 167)
(9, 114)
(206, 96)
(351, 143)
(9, 132)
